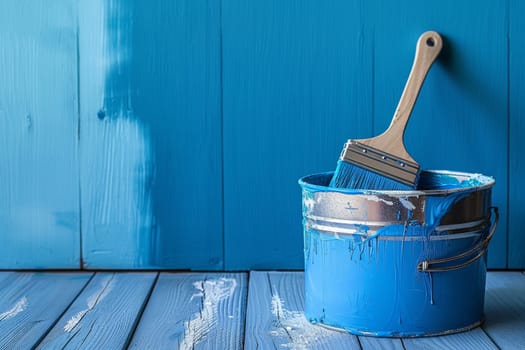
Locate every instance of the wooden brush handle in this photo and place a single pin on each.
(427, 49)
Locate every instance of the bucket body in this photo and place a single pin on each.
(397, 263)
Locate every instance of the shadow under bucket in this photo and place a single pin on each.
(398, 263)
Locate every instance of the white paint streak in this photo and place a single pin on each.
(293, 326)
(375, 198)
(212, 293)
(406, 203)
(309, 203)
(92, 301)
(19, 307)
(121, 151)
(73, 321)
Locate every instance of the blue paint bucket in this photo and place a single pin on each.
(398, 263)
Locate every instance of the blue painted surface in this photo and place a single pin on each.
(194, 311)
(460, 120)
(39, 199)
(71, 310)
(171, 134)
(368, 283)
(296, 81)
(379, 292)
(103, 314)
(516, 200)
(31, 303)
(151, 134)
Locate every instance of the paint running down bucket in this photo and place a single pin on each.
(398, 263)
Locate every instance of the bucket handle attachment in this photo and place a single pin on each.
(479, 249)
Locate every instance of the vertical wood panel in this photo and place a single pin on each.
(39, 206)
(296, 85)
(460, 120)
(151, 134)
(516, 255)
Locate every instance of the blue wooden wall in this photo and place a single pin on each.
(170, 134)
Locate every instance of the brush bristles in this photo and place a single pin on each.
(364, 167)
(351, 176)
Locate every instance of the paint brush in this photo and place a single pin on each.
(382, 162)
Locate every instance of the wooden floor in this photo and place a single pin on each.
(259, 310)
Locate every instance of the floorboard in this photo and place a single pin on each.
(194, 311)
(474, 339)
(145, 310)
(370, 343)
(505, 309)
(30, 304)
(104, 315)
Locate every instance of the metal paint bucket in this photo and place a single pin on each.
(398, 263)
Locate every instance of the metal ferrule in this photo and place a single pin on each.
(387, 165)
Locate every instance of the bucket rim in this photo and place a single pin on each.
(487, 182)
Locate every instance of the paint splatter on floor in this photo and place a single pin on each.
(19, 307)
(211, 292)
(92, 301)
(293, 326)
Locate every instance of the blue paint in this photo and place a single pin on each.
(39, 206)
(228, 103)
(294, 73)
(516, 141)
(368, 283)
(352, 176)
(150, 134)
(464, 100)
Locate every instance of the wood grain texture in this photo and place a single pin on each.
(474, 339)
(30, 304)
(194, 311)
(39, 210)
(186, 105)
(297, 84)
(505, 309)
(104, 315)
(460, 119)
(516, 198)
(371, 343)
(151, 134)
(275, 318)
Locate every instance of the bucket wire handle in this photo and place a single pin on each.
(480, 249)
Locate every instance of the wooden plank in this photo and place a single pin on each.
(297, 83)
(369, 343)
(194, 311)
(505, 309)
(275, 318)
(104, 315)
(151, 134)
(39, 210)
(516, 258)
(460, 119)
(474, 339)
(31, 303)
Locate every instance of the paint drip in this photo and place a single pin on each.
(364, 250)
